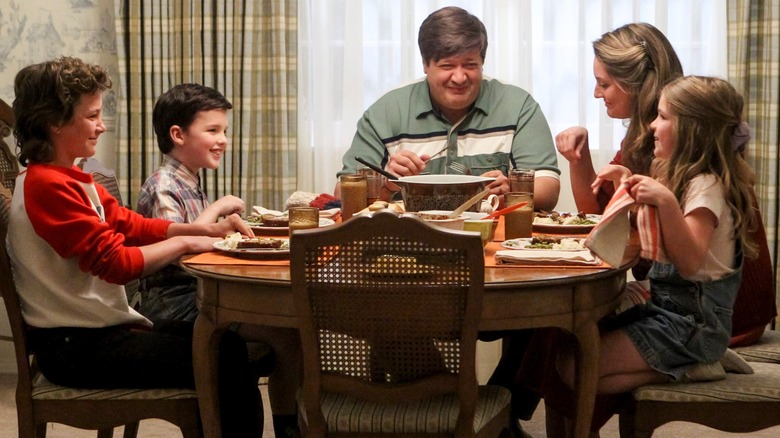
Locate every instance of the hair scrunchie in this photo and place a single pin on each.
(740, 137)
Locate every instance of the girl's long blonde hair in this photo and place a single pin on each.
(708, 120)
(641, 60)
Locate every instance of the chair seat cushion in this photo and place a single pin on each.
(45, 390)
(761, 386)
(766, 349)
(433, 415)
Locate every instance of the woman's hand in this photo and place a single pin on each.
(572, 143)
(615, 173)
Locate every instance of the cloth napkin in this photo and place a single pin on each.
(546, 257)
(609, 237)
(259, 211)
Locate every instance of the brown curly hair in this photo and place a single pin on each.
(46, 96)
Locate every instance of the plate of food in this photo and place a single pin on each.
(276, 225)
(254, 247)
(544, 242)
(555, 222)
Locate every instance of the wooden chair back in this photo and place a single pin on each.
(39, 401)
(9, 165)
(102, 175)
(388, 310)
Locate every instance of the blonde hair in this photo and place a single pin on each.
(707, 114)
(641, 60)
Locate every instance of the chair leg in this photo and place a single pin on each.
(106, 433)
(131, 430)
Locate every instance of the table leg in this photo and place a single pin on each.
(586, 380)
(205, 358)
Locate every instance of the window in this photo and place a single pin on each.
(351, 52)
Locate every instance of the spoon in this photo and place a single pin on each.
(463, 207)
(503, 211)
(377, 168)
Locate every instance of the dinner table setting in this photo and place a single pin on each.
(556, 276)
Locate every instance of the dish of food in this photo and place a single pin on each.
(255, 247)
(555, 222)
(543, 242)
(258, 226)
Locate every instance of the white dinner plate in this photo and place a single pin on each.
(257, 253)
(258, 228)
(567, 229)
(524, 242)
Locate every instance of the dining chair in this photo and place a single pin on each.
(9, 166)
(39, 401)
(388, 311)
(102, 175)
(739, 403)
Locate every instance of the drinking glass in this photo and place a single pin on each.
(302, 218)
(373, 184)
(354, 194)
(521, 180)
(519, 223)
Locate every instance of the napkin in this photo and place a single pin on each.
(547, 257)
(259, 211)
(609, 237)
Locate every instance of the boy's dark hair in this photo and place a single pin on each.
(179, 106)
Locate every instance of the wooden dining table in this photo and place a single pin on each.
(236, 290)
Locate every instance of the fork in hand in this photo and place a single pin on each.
(460, 168)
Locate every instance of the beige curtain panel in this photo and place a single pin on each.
(754, 68)
(247, 51)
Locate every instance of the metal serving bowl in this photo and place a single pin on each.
(440, 192)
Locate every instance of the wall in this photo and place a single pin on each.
(33, 31)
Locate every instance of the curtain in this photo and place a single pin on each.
(351, 52)
(754, 63)
(246, 50)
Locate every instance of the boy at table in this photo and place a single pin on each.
(72, 247)
(191, 123)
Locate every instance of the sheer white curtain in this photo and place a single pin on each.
(353, 51)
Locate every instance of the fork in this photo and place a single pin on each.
(460, 168)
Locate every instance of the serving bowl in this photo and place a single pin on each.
(439, 218)
(440, 192)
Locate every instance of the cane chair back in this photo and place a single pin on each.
(102, 175)
(39, 401)
(9, 165)
(388, 311)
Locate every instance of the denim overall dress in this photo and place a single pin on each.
(685, 322)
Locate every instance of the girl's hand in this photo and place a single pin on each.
(572, 143)
(646, 190)
(615, 173)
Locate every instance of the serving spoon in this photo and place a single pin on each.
(463, 207)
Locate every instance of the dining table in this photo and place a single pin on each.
(516, 296)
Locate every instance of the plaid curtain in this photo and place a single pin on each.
(754, 62)
(246, 50)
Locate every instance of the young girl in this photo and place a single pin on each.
(701, 188)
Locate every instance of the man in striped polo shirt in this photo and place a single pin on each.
(456, 115)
